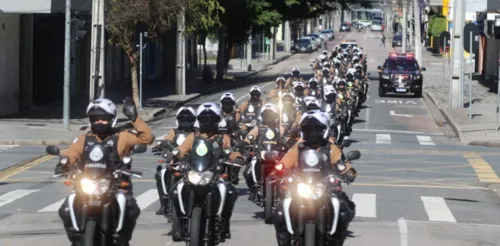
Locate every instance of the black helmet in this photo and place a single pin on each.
(185, 118)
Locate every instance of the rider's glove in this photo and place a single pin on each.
(60, 168)
(350, 176)
(156, 150)
(239, 160)
(129, 109)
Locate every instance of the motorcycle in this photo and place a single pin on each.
(311, 207)
(97, 205)
(264, 162)
(200, 195)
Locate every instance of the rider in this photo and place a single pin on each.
(270, 122)
(295, 76)
(343, 94)
(208, 117)
(185, 120)
(103, 116)
(282, 86)
(315, 135)
(249, 109)
(230, 114)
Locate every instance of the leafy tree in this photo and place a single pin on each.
(202, 20)
(125, 17)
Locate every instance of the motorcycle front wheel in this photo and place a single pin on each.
(268, 205)
(310, 234)
(88, 238)
(195, 236)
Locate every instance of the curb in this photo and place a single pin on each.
(438, 115)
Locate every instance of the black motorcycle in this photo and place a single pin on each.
(264, 162)
(199, 197)
(311, 207)
(97, 206)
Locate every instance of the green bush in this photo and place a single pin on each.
(437, 25)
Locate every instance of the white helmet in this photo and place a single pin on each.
(325, 52)
(103, 106)
(268, 107)
(351, 71)
(312, 102)
(280, 79)
(319, 117)
(228, 96)
(184, 109)
(312, 79)
(321, 57)
(208, 108)
(297, 84)
(254, 88)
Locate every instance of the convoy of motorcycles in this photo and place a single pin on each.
(196, 194)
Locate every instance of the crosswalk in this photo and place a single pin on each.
(368, 205)
(386, 139)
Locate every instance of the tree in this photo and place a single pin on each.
(125, 17)
(202, 20)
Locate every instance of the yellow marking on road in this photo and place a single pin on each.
(484, 171)
(23, 166)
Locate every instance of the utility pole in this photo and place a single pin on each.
(272, 46)
(249, 53)
(410, 39)
(67, 61)
(288, 37)
(418, 35)
(96, 89)
(405, 29)
(180, 75)
(458, 57)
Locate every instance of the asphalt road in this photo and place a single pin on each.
(415, 186)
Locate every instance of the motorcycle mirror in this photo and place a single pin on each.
(380, 68)
(175, 152)
(140, 148)
(52, 150)
(353, 155)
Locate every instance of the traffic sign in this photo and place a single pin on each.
(468, 29)
(444, 35)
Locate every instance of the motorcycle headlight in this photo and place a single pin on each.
(311, 191)
(94, 187)
(416, 77)
(202, 178)
(386, 76)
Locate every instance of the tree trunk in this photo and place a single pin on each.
(133, 58)
(220, 55)
(205, 56)
(229, 47)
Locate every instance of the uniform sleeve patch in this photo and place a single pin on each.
(75, 140)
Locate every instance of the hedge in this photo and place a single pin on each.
(437, 25)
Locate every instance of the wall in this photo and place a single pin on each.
(41, 6)
(9, 63)
(491, 59)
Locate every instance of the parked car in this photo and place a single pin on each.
(377, 26)
(345, 28)
(316, 37)
(397, 40)
(329, 34)
(304, 45)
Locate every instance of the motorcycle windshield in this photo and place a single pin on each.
(313, 166)
(98, 161)
(202, 155)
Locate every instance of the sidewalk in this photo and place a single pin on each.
(43, 125)
(481, 129)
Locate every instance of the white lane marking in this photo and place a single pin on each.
(393, 113)
(14, 195)
(403, 231)
(425, 140)
(52, 207)
(396, 131)
(366, 205)
(367, 117)
(437, 210)
(147, 198)
(383, 139)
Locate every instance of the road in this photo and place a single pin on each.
(415, 186)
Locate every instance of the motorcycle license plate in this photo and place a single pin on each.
(401, 90)
(303, 49)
